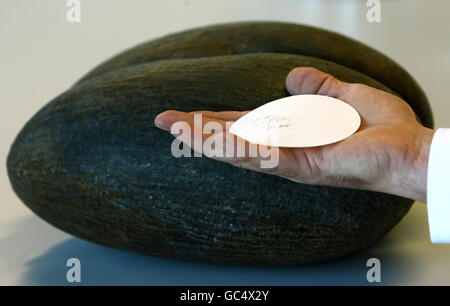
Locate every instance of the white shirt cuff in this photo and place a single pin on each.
(438, 187)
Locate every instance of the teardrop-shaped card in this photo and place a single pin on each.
(298, 121)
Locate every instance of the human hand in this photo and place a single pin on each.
(389, 152)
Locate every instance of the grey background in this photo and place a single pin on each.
(42, 54)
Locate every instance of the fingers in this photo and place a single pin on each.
(238, 152)
(167, 119)
(225, 116)
(189, 128)
(209, 137)
(194, 129)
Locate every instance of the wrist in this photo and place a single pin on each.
(413, 178)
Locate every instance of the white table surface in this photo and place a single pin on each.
(42, 55)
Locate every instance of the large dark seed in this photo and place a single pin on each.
(92, 163)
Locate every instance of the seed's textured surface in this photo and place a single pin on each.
(92, 163)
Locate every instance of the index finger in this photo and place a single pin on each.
(224, 115)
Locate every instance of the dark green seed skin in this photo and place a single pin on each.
(277, 37)
(92, 163)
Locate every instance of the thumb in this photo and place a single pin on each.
(307, 80)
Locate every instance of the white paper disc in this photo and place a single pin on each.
(298, 121)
